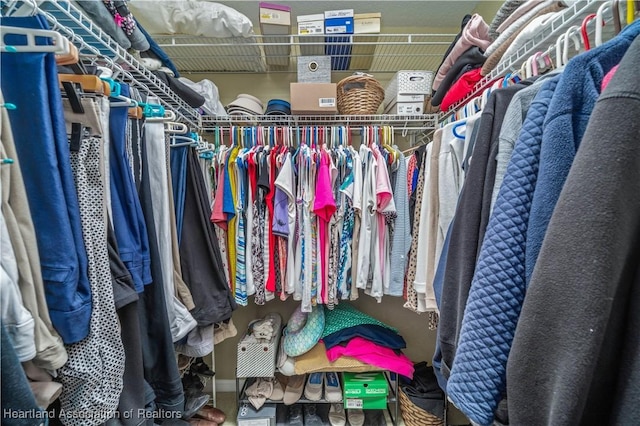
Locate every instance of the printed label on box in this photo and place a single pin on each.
(271, 15)
(310, 28)
(354, 403)
(341, 29)
(408, 109)
(327, 102)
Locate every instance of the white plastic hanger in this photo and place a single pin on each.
(23, 8)
(60, 44)
(571, 34)
(173, 127)
(600, 22)
(168, 116)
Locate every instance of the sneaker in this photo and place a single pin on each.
(295, 416)
(356, 417)
(337, 416)
(332, 389)
(313, 389)
(311, 417)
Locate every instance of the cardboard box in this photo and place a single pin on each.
(313, 98)
(365, 390)
(314, 69)
(343, 13)
(367, 23)
(275, 19)
(248, 416)
(364, 47)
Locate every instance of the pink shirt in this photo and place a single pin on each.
(218, 216)
(373, 354)
(324, 206)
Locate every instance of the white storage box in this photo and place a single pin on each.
(311, 29)
(408, 83)
(405, 108)
(256, 357)
(314, 69)
(344, 13)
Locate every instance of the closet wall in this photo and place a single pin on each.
(413, 327)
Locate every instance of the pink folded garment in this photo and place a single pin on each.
(475, 33)
(368, 352)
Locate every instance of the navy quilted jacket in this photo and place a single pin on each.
(497, 290)
(517, 228)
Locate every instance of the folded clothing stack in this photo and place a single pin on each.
(423, 390)
(349, 332)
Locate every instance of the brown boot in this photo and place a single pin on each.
(211, 413)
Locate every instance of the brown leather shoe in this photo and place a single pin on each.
(201, 422)
(211, 413)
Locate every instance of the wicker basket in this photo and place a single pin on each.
(416, 416)
(359, 94)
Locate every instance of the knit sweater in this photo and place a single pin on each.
(507, 8)
(576, 353)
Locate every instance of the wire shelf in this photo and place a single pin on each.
(67, 19)
(380, 53)
(400, 122)
(572, 15)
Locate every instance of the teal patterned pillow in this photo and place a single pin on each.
(303, 331)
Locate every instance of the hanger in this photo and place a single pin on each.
(568, 36)
(615, 10)
(60, 44)
(188, 141)
(69, 59)
(175, 128)
(89, 83)
(456, 127)
(600, 23)
(24, 8)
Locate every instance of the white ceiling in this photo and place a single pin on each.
(404, 13)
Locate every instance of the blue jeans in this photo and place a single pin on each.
(128, 220)
(30, 81)
(179, 182)
(16, 393)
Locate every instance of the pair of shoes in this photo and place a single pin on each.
(310, 417)
(330, 382)
(293, 391)
(212, 414)
(194, 398)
